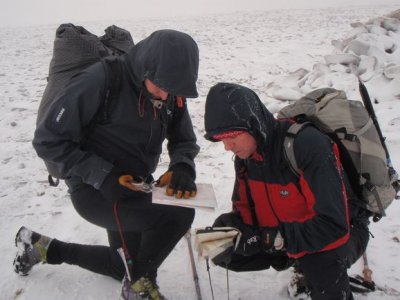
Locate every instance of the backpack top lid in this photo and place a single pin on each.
(75, 49)
(117, 38)
(322, 107)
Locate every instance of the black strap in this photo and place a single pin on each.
(113, 73)
(112, 69)
(251, 202)
(370, 109)
(51, 180)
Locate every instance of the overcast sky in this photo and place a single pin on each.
(29, 12)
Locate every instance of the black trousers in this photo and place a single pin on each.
(326, 272)
(150, 232)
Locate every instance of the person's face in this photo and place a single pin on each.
(244, 145)
(155, 91)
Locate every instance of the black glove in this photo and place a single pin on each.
(249, 241)
(179, 180)
(231, 219)
(111, 189)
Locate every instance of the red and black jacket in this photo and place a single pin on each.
(310, 211)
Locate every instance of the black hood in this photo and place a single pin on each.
(170, 59)
(234, 107)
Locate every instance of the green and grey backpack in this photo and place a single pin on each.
(356, 132)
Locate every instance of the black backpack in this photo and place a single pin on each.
(75, 49)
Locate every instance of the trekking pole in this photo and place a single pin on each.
(367, 273)
(188, 237)
(365, 284)
(209, 278)
(123, 251)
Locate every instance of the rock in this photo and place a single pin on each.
(378, 53)
(294, 79)
(338, 45)
(376, 29)
(319, 69)
(394, 87)
(357, 47)
(391, 24)
(394, 14)
(392, 71)
(343, 58)
(285, 93)
(324, 80)
(367, 67)
(358, 30)
(357, 24)
(339, 68)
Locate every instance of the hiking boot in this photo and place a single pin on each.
(297, 287)
(141, 289)
(32, 249)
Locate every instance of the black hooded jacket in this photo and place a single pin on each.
(133, 137)
(311, 211)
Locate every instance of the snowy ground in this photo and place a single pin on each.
(278, 54)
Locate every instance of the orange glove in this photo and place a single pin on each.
(135, 184)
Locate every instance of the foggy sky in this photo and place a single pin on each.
(32, 12)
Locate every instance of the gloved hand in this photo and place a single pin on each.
(231, 219)
(216, 243)
(271, 239)
(114, 186)
(248, 242)
(179, 180)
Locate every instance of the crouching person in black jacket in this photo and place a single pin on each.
(313, 220)
(109, 171)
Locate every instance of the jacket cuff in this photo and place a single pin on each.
(97, 177)
(183, 167)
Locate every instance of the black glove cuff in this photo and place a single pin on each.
(184, 168)
(268, 235)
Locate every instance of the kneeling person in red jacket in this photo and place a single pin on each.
(323, 225)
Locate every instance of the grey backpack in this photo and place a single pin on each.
(362, 149)
(75, 49)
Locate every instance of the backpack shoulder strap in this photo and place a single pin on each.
(113, 71)
(112, 68)
(288, 145)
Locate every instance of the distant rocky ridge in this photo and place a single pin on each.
(372, 52)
